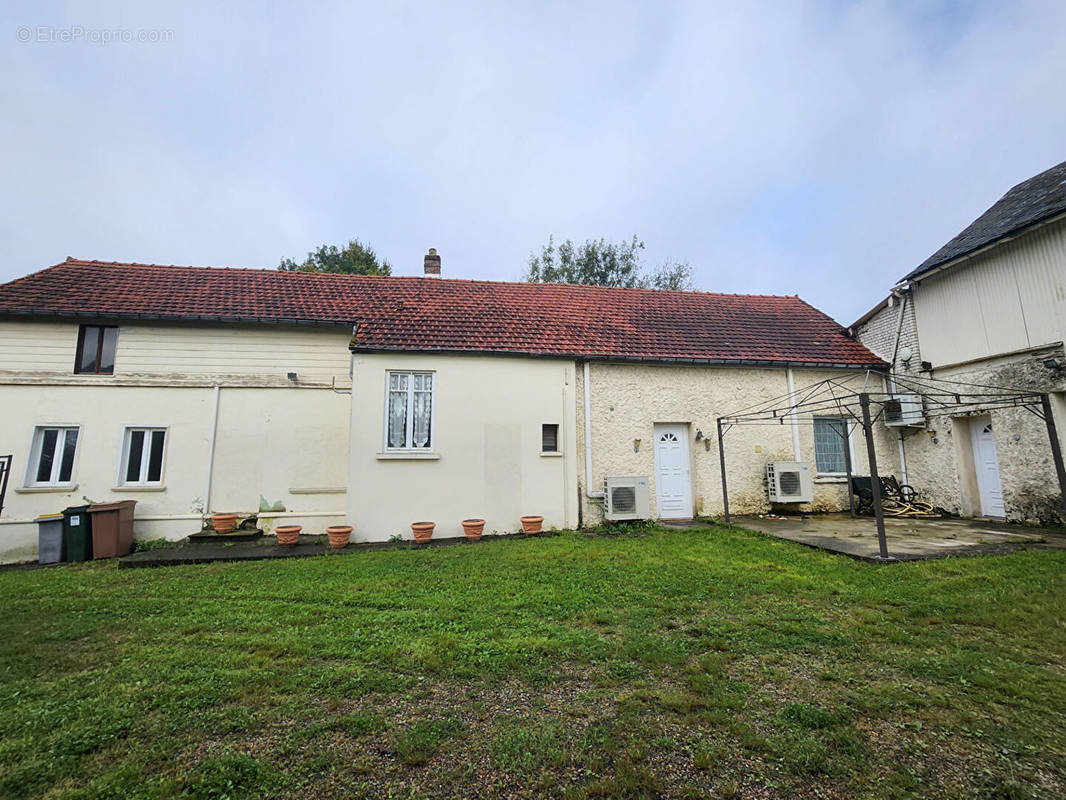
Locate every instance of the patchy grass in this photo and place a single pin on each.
(418, 742)
(700, 663)
(140, 545)
(528, 746)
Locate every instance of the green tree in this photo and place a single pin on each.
(674, 275)
(598, 262)
(355, 258)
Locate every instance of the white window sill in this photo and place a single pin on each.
(138, 488)
(66, 488)
(407, 455)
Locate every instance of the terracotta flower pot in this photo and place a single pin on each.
(473, 528)
(223, 523)
(423, 531)
(532, 525)
(288, 535)
(339, 536)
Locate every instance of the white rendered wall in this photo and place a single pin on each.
(276, 439)
(488, 463)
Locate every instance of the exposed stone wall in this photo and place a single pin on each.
(939, 456)
(939, 461)
(628, 399)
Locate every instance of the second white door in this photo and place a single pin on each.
(986, 463)
(673, 473)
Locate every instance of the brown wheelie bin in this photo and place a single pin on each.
(112, 528)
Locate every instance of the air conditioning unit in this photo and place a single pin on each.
(626, 497)
(789, 482)
(904, 411)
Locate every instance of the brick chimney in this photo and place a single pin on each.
(432, 263)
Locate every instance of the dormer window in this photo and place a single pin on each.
(96, 350)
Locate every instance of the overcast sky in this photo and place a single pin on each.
(820, 149)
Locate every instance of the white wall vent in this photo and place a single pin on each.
(904, 411)
(789, 482)
(626, 497)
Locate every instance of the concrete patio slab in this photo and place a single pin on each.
(908, 539)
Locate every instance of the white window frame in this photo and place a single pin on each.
(36, 443)
(123, 454)
(409, 431)
(848, 442)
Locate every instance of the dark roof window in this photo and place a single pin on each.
(96, 349)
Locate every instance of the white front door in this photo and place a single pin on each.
(987, 466)
(673, 478)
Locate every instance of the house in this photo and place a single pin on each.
(988, 308)
(383, 401)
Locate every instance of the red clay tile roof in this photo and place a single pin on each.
(451, 315)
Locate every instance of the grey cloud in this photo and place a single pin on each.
(819, 149)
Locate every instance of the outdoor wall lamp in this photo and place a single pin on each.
(636, 445)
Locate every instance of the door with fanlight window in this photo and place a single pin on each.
(673, 472)
(986, 463)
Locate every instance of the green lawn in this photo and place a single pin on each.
(657, 664)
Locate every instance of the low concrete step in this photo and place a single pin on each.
(210, 537)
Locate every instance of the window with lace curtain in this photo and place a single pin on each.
(409, 411)
(830, 439)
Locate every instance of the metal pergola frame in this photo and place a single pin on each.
(859, 405)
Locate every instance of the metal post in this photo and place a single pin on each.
(875, 479)
(721, 464)
(5, 473)
(580, 508)
(1056, 449)
(847, 465)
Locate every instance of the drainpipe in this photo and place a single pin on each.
(795, 420)
(899, 331)
(891, 386)
(588, 440)
(211, 454)
(902, 460)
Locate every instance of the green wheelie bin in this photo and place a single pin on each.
(77, 533)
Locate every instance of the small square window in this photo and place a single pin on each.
(52, 456)
(142, 456)
(96, 350)
(549, 438)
